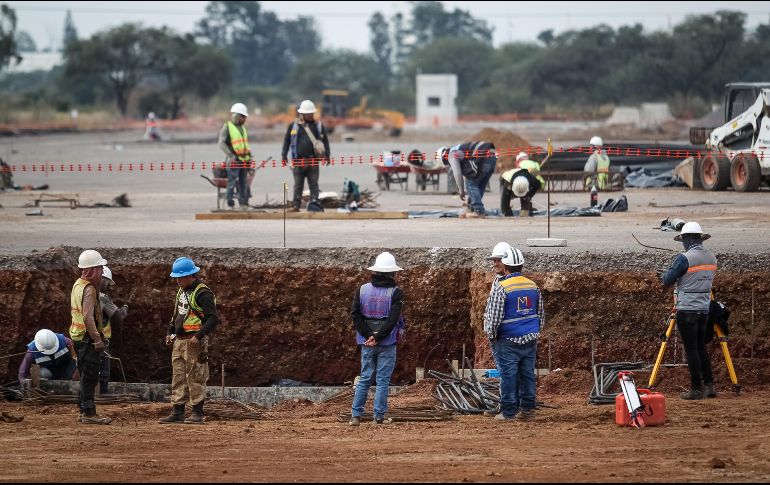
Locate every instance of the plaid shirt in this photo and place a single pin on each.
(495, 312)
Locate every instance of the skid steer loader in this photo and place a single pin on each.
(738, 152)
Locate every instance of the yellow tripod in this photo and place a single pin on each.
(722, 342)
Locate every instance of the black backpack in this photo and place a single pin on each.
(718, 315)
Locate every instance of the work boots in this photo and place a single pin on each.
(90, 417)
(692, 395)
(177, 416)
(197, 415)
(710, 391)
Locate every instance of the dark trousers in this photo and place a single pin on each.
(692, 328)
(104, 375)
(237, 182)
(506, 194)
(300, 174)
(89, 361)
(518, 388)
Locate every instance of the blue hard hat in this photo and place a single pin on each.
(183, 267)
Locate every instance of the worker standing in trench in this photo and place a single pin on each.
(379, 325)
(195, 317)
(111, 314)
(693, 272)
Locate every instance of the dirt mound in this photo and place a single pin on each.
(420, 394)
(566, 382)
(507, 143)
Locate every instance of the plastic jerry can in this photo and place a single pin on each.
(654, 408)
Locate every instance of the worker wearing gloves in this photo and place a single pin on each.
(54, 353)
(472, 164)
(234, 142)
(87, 331)
(308, 142)
(513, 319)
(195, 317)
(693, 272)
(111, 314)
(597, 167)
(379, 325)
(517, 182)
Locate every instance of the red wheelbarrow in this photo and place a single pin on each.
(219, 180)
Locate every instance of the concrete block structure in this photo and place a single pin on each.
(436, 94)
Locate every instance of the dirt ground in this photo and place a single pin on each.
(723, 439)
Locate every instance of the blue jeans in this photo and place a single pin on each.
(236, 181)
(380, 360)
(476, 187)
(516, 364)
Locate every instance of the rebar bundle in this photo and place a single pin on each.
(231, 409)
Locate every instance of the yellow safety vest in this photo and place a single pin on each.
(188, 307)
(78, 326)
(534, 168)
(239, 141)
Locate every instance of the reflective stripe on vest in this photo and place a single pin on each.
(78, 326)
(41, 358)
(239, 141)
(522, 301)
(295, 134)
(694, 287)
(188, 307)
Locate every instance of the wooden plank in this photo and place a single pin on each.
(272, 215)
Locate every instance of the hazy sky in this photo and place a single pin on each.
(343, 24)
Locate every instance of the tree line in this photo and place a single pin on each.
(242, 49)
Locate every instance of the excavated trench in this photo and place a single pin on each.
(285, 313)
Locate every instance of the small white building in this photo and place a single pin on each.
(436, 95)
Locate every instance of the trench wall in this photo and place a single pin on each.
(285, 313)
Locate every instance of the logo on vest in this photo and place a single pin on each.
(184, 305)
(523, 303)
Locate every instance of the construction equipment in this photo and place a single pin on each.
(738, 152)
(632, 399)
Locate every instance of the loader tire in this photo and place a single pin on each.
(714, 172)
(745, 173)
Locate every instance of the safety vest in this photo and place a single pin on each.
(522, 301)
(187, 307)
(602, 171)
(375, 305)
(107, 325)
(294, 134)
(694, 287)
(78, 326)
(47, 360)
(534, 168)
(239, 141)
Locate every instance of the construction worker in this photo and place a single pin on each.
(195, 317)
(521, 183)
(379, 325)
(309, 144)
(597, 166)
(523, 161)
(472, 165)
(151, 131)
(693, 272)
(234, 143)
(54, 353)
(513, 319)
(87, 331)
(111, 314)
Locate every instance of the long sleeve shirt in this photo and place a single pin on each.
(495, 313)
(396, 304)
(90, 296)
(29, 359)
(305, 147)
(225, 145)
(111, 311)
(205, 300)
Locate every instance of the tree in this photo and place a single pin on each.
(431, 22)
(9, 50)
(380, 41)
(25, 42)
(337, 69)
(263, 47)
(70, 33)
(116, 57)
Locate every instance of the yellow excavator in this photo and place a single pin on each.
(335, 110)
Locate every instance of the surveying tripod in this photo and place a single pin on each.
(722, 342)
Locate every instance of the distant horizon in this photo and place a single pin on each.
(343, 25)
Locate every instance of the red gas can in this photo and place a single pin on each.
(654, 408)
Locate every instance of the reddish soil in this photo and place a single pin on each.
(506, 141)
(723, 439)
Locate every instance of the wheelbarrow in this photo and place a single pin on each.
(219, 180)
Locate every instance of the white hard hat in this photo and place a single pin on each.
(107, 273)
(692, 228)
(440, 154)
(521, 155)
(240, 109)
(90, 259)
(385, 263)
(520, 186)
(513, 257)
(306, 107)
(499, 251)
(596, 141)
(151, 115)
(46, 342)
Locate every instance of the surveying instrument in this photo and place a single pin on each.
(671, 321)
